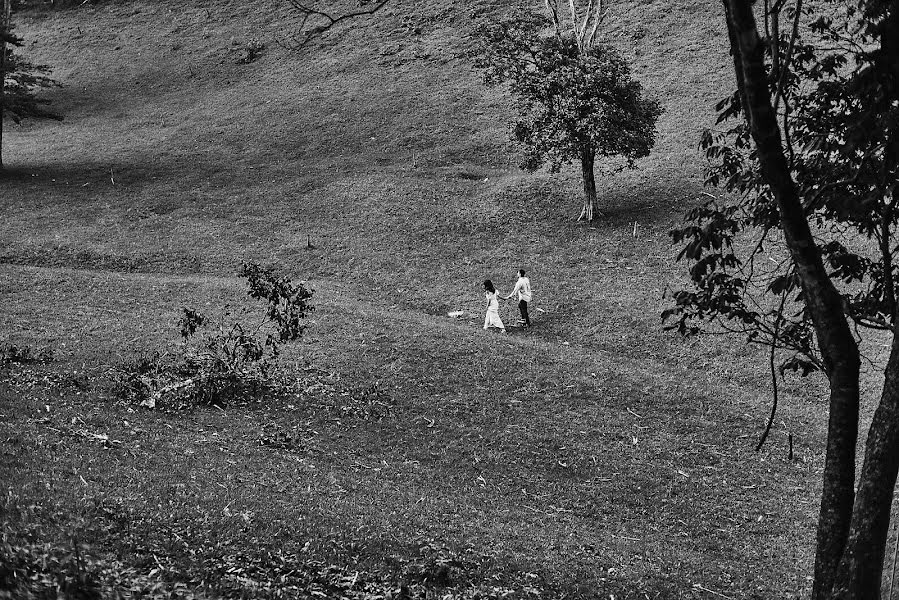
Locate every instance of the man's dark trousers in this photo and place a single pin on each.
(523, 308)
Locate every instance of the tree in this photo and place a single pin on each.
(20, 79)
(814, 154)
(575, 97)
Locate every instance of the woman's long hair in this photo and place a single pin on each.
(488, 285)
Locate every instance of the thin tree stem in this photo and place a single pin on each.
(765, 433)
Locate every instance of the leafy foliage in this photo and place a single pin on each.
(287, 302)
(837, 125)
(22, 80)
(568, 101)
(222, 360)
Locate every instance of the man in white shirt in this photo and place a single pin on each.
(523, 289)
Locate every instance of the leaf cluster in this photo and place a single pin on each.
(288, 303)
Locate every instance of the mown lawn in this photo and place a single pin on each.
(593, 455)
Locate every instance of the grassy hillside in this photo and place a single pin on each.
(592, 455)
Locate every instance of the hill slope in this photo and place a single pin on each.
(595, 451)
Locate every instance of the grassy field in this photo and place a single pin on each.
(593, 455)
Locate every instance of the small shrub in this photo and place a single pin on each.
(222, 360)
(288, 303)
(189, 322)
(249, 52)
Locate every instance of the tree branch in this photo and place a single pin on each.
(552, 6)
(783, 299)
(307, 12)
(598, 18)
(794, 35)
(574, 21)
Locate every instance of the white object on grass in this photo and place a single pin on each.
(455, 313)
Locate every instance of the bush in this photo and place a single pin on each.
(222, 360)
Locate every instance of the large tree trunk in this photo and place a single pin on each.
(838, 490)
(588, 156)
(860, 570)
(838, 347)
(860, 574)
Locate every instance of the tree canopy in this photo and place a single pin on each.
(574, 97)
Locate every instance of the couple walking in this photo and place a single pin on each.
(522, 288)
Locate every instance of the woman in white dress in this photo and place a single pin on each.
(492, 319)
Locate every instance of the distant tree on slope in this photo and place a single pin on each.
(21, 79)
(812, 153)
(575, 97)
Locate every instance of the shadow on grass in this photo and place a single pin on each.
(53, 174)
(86, 258)
(169, 176)
(648, 197)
